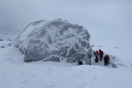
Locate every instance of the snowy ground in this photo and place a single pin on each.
(14, 73)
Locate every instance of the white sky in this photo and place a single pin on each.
(108, 21)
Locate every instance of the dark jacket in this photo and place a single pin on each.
(80, 63)
(95, 53)
(106, 58)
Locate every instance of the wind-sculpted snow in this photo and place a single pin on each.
(55, 40)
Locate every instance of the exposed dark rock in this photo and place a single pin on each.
(53, 41)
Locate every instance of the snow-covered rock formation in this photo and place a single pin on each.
(55, 40)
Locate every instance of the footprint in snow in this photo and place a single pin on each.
(90, 69)
(51, 86)
(49, 69)
(33, 75)
(35, 69)
(22, 74)
(84, 85)
(26, 81)
(47, 73)
(18, 65)
(122, 65)
(78, 74)
(9, 59)
(93, 79)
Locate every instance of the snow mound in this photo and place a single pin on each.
(55, 40)
(4, 44)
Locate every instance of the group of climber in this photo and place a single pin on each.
(100, 54)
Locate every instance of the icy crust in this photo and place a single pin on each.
(55, 40)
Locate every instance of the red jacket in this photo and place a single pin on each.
(97, 52)
(106, 56)
(101, 52)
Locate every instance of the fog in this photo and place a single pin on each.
(108, 21)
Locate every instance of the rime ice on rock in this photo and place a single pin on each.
(55, 40)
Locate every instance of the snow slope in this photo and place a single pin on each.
(109, 23)
(14, 73)
(122, 54)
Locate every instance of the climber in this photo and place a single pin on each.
(80, 63)
(97, 54)
(100, 54)
(96, 59)
(106, 60)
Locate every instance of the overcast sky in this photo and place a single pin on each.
(108, 21)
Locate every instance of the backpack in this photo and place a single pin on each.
(94, 53)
